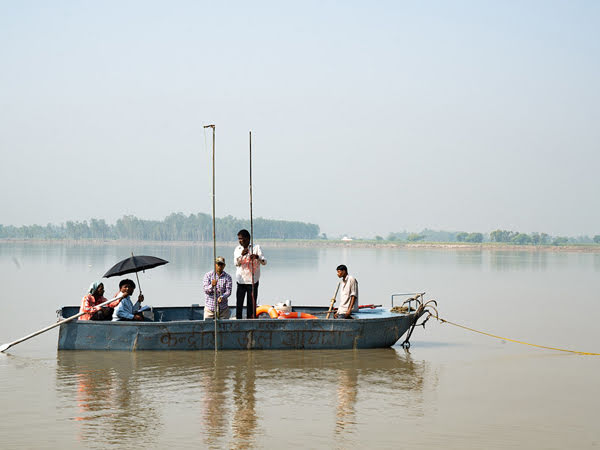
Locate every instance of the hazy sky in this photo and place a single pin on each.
(369, 117)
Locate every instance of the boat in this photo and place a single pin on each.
(183, 328)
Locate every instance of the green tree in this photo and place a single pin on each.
(561, 240)
(462, 236)
(521, 239)
(414, 237)
(502, 235)
(474, 237)
(597, 239)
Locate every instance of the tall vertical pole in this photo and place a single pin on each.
(251, 231)
(214, 259)
(213, 207)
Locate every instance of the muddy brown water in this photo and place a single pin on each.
(454, 389)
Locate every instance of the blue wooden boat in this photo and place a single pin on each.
(183, 328)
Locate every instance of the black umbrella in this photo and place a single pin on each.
(134, 264)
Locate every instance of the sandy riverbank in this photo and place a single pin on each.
(276, 243)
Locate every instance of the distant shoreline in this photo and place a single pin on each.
(299, 243)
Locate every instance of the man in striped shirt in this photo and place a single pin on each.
(217, 282)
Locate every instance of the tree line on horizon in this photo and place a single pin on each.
(501, 236)
(198, 227)
(175, 227)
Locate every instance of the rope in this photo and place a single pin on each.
(513, 340)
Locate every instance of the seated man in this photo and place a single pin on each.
(95, 297)
(126, 310)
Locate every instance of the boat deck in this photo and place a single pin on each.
(196, 312)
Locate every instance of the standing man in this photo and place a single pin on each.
(348, 295)
(220, 281)
(248, 261)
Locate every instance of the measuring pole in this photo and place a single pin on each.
(251, 232)
(214, 236)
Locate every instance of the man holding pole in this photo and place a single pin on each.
(217, 284)
(248, 259)
(348, 294)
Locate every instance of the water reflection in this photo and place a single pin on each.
(229, 398)
(597, 262)
(244, 398)
(346, 399)
(214, 403)
(472, 258)
(503, 260)
(110, 404)
(187, 259)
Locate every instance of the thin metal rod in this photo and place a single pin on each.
(214, 236)
(214, 215)
(54, 325)
(137, 278)
(251, 232)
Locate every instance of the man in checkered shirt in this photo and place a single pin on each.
(220, 281)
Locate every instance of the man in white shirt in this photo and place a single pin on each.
(248, 260)
(348, 294)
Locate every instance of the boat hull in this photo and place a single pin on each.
(369, 330)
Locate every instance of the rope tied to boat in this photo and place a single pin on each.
(430, 310)
(422, 308)
(513, 340)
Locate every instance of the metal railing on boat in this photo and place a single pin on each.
(415, 298)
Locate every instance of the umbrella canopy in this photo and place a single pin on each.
(134, 264)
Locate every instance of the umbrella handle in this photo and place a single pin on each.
(138, 279)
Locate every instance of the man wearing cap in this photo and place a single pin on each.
(348, 294)
(217, 283)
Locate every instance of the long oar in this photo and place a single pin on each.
(54, 325)
(333, 301)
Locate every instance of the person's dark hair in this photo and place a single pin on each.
(125, 282)
(342, 267)
(244, 233)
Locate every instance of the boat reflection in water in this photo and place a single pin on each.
(346, 399)
(232, 399)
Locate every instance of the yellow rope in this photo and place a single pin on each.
(513, 340)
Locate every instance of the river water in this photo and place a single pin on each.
(455, 389)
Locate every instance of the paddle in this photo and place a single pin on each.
(332, 301)
(362, 307)
(43, 330)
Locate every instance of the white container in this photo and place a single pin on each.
(284, 307)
